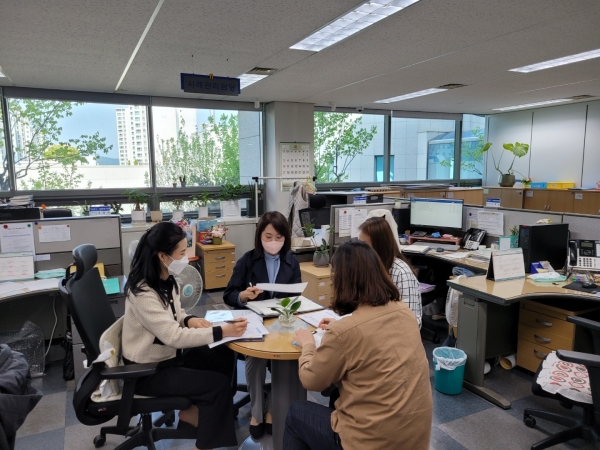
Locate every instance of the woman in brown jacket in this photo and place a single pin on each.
(377, 359)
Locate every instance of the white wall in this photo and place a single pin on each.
(564, 143)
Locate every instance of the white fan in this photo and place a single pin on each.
(190, 287)
(132, 248)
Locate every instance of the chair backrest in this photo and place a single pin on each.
(87, 299)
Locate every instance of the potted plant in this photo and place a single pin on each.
(182, 180)
(139, 198)
(230, 196)
(202, 199)
(321, 256)
(286, 310)
(251, 202)
(178, 213)
(526, 182)
(218, 235)
(115, 207)
(85, 208)
(507, 179)
(175, 179)
(155, 212)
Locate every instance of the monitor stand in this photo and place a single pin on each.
(419, 233)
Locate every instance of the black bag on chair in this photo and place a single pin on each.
(68, 364)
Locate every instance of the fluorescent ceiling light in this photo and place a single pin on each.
(559, 62)
(363, 16)
(529, 105)
(411, 95)
(246, 79)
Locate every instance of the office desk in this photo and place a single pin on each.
(488, 320)
(285, 383)
(468, 263)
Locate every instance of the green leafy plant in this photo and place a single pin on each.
(230, 191)
(138, 197)
(514, 230)
(155, 201)
(115, 207)
(85, 208)
(309, 231)
(202, 198)
(322, 249)
(517, 149)
(288, 307)
(178, 203)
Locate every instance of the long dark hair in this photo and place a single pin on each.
(360, 278)
(280, 224)
(383, 241)
(145, 264)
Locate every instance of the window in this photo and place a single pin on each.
(71, 145)
(4, 169)
(379, 169)
(345, 144)
(471, 160)
(208, 147)
(422, 149)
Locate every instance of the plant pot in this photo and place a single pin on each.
(287, 321)
(251, 207)
(231, 208)
(156, 216)
(177, 214)
(321, 260)
(183, 184)
(202, 211)
(506, 180)
(217, 240)
(138, 216)
(175, 185)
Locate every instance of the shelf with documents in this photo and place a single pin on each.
(216, 264)
(320, 287)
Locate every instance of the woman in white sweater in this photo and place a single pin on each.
(157, 329)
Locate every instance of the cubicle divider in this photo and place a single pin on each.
(583, 226)
(334, 238)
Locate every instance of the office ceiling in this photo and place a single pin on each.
(86, 45)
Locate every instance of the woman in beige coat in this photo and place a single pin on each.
(377, 359)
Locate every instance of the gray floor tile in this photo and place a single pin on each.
(441, 441)
(52, 382)
(511, 384)
(81, 437)
(54, 440)
(70, 417)
(49, 414)
(450, 407)
(493, 428)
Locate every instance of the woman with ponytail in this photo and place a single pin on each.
(269, 262)
(157, 329)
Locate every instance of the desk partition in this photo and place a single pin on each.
(583, 226)
(334, 238)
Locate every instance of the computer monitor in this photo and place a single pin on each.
(318, 217)
(436, 213)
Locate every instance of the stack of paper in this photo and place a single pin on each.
(21, 200)
(255, 331)
(416, 248)
(263, 307)
(315, 318)
(9, 289)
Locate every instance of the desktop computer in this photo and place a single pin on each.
(544, 242)
(436, 213)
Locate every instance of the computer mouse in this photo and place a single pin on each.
(439, 249)
(589, 285)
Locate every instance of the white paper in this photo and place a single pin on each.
(315, 318)
(54, 233)
(472, 217)
(255, 329)
(508, 264)
(16, 238)
(263, 307)
(357, 218)
(16, 266)
(9, 288)
(456, 255)
(42, 257)
(296, 288)
(492, 222)
(41, 285)
(344, 222)
(504, 243)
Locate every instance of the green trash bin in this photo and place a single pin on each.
(449, 364)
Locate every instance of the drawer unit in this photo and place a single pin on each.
(319, 288)
(543, 328)
(216, 264)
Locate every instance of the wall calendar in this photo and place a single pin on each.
(295, 163)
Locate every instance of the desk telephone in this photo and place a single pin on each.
(584, 254)
(472, 239)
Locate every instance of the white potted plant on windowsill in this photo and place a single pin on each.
(178, 213)
(139, 198)
(230, 196)
(156, 214)
(202, 199)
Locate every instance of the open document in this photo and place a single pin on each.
(314, 318)
(287, 288)
(255, 331)
(263, 307)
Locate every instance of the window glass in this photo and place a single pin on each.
(345, 146)
(4, 169)
(473, 139)
(423, 148)
(74, 145)
(207, 147)
(379, 169)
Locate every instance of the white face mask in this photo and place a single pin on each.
(272, 247)
(177, 265)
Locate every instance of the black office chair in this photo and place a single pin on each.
(589, 427)
(90, 309)
(53, 213)
(426, 332)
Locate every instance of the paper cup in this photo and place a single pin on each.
(508, 362)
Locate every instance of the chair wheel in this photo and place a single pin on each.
(529, 421)
(99, 441)
(169, 423)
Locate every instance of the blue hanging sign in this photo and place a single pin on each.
(209, 84)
